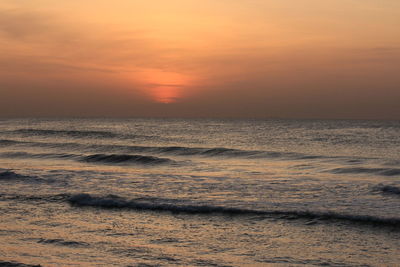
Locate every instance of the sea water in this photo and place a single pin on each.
(165, 192)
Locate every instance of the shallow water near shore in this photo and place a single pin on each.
(152, 192)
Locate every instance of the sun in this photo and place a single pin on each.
(164, 86)
(166, 94)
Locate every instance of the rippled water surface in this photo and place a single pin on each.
(144, 192)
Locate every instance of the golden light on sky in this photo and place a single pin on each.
(244, 58)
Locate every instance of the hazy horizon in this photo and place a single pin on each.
(210, 59)
(199, 118)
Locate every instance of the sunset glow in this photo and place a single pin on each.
(163, 86)
(307, 58)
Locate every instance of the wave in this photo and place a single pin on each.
(16, 264)
(64, 145)
(219, 152)
(389, 189)
(10, 175)
(172, 206)
(176, 150)
(290, 261)
(47, 198)
(92, 158)
(70, 133)
(79, 134)
(38, 155)
(362, 170)
(120, 158)
(62, 242)
(116, 202)
(6, 142)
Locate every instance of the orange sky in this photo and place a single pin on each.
(186, 58)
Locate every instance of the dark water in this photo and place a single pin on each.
(200, 192)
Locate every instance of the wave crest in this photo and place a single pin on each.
(62, 242)
(362, 170)
(93, 158)
(121, 158)
(389, 189)
(116, 202)
(10, 175)
(175, 150)
(17, 264)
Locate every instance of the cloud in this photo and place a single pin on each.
(21, 25)
(56, 42)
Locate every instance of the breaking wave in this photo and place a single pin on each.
(174, 150)
(116, 202)
(210, 152)
(93, 158)
(120, 158)
(217, 152)
(362, 170)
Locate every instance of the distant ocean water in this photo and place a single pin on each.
(164, 192)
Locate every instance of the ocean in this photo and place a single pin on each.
(187, 192)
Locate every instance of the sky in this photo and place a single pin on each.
(205, 59)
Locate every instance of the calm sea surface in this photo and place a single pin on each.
(165, 192)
